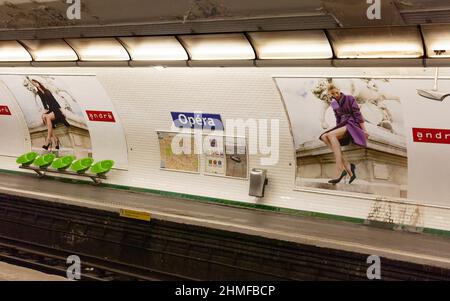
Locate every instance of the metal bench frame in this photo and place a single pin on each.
(43, 171)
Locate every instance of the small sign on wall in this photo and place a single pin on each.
(4, 110)
(188, 120)
(102, 116)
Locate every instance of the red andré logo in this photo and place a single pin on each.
(102, 116)
(4, 110)
(431, 135)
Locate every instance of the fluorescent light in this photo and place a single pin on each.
(12, 51)
(437, 40)
(218, 47)
(99, 49)
(370, 43)
(154, 48)
(307, 44)
(54, 50)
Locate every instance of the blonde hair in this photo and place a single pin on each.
(331, 87)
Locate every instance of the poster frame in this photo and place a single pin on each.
(322, 191)
(70, 74)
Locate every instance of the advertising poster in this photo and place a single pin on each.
(68, 115)
(365, 132)
(402, 150)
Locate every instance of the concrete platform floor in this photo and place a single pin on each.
(9, 272)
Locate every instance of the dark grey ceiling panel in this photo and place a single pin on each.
(20, 14)
(353, 13)
(425, 17)
(220, 26)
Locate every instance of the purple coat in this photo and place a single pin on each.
(347, 113)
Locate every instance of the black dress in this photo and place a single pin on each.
(51, 105)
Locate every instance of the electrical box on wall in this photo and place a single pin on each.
(258, 182)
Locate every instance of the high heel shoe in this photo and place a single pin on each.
(335, 181)
(46, 147)
(353, 177)
(57, 144)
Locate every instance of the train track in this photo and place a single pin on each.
(41, 235)
(53, 261)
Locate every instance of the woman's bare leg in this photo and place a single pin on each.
(325, 139)
(49, 122)
(333, 137)
(54, 138)
(347, 165)
(44, 120)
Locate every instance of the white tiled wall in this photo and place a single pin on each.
(144, 98)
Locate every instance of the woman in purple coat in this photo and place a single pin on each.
(349, 128)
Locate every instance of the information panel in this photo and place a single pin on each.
(178, 152)
(217, 154)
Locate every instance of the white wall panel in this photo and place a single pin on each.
(108, 138)
(15, 138)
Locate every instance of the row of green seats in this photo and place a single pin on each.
(61, 164)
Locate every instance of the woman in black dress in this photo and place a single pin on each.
(52, 117)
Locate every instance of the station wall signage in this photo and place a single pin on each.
(4, 110)
(197, 120)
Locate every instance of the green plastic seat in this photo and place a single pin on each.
(44, 161)
(27, 159)
(82, 165)
(102, 167)
(63, 163)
